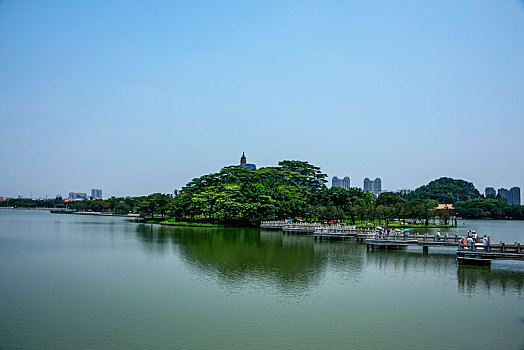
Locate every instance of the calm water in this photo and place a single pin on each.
(85, 282)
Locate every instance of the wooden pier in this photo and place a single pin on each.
(395, 241)
(470, 253)
(302, 227)
(475, 253)
(341, 233)
(272, 225)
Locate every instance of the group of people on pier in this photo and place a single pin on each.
(473, 237)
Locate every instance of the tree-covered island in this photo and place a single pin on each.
(293, 189)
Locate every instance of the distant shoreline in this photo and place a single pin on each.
(172, 222)
(55, 211)
(182, 223)
(26, 208)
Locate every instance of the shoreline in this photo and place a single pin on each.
(171, 222)
(96, 213)
(185, 223)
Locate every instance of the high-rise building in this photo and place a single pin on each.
(367, 185)
(504, 193)
(96, 193)
(511, 196)
(374, 186)
(343, 183)
(514, 196)
(243, 163)
(77, 195)
(378, 186)
(490, 192)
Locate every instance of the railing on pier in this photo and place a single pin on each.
(342, 230)
(485, 251)
(277, 224)
(304, 227)
(491, 251)
(300, 227)
(493, 248)
(425, 239)
(418, 239)
(342, 233)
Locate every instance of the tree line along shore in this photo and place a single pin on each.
(293, 189)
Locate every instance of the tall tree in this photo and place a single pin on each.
(313, 179)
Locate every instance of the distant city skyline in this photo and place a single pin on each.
(490, 192)
(513, 196)
(374, 186)
(176, 90)
(343, 183)
(96, 193)
(77, 195)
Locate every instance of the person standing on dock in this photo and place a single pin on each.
(438, 235)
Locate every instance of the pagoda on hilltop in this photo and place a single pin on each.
(245, 164)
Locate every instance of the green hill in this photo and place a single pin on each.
(445, 190)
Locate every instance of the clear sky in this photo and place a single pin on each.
(137, 97)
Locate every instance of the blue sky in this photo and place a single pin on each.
(137, 97)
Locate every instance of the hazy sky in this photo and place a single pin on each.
(137, 97)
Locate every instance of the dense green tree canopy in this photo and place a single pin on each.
(495, 208)
(293, 189)
(242, 195)
(445, 190)
(312, 178)
(390, 198)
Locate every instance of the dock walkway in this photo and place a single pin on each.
(470, 253)
(412, 239)
(302, 227)
(479, 253)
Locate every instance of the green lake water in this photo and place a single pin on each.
(89, 282)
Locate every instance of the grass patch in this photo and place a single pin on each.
(172, 222)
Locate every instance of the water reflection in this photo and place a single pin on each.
(291, 264)
(470, 279)
(154, 239)
(474, 279)
(345, 260)
(237, 256)
(342, 255)
(294, 264)
(436, 263)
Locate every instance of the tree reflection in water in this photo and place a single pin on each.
(262, 258)
(292, 264)
(474, 279)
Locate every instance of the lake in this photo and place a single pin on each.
(92, 282)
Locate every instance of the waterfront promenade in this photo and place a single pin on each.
(472, 252)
